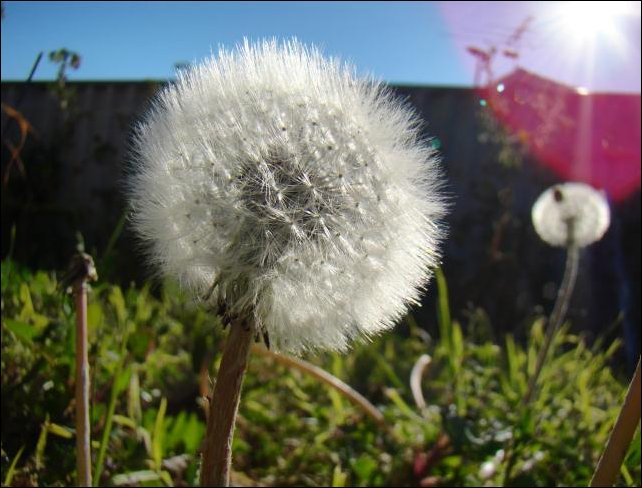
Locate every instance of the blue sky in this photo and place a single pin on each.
(399, 42)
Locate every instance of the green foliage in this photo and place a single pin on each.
(139, 355)
(151, 352)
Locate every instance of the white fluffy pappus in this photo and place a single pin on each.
(274, 180)
(577, 203)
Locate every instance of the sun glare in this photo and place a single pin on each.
(586, 20)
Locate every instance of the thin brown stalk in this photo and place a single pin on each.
(627, 421)
(79, 272)
(217, 449)
(332, 381)
(83, 453)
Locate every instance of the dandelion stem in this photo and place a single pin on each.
(217, 449)
(555, 321)
(557, 317)
(621, 435)
(83, 452)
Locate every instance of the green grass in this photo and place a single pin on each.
(150, 355)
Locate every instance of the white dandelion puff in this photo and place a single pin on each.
(571, 213)
(275, 181)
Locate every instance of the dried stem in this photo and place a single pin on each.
(83, 451)
(621, 435)
(217, 449)
(81, 269)
(416, 376)
(346, 390)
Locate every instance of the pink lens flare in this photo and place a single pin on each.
(591, 138)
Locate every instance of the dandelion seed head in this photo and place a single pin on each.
(297, 192)
(571, 212)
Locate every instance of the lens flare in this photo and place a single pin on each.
(584, 21)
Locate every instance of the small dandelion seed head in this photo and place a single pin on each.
(571, 213)
(270, 171)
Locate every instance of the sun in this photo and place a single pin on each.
(584, 21)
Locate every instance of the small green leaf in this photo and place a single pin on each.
(22, 330)
(395, 397)
(626, 474)
(118, 302)
(363, 467)
(12, 469)
(174, 430)
(95, 319)
(134, 409)
(135, 478)
(157, 438)
(143, 307)
(27, 304)
(60, 431)
(337, 404)
(338, 477)
(443, 309)
(457, 344)
(124, 421)
(42, 443)
(166, 478)
(453, 462)
(193, 434)
(122, 380)
(514, 360)
(28, 313)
